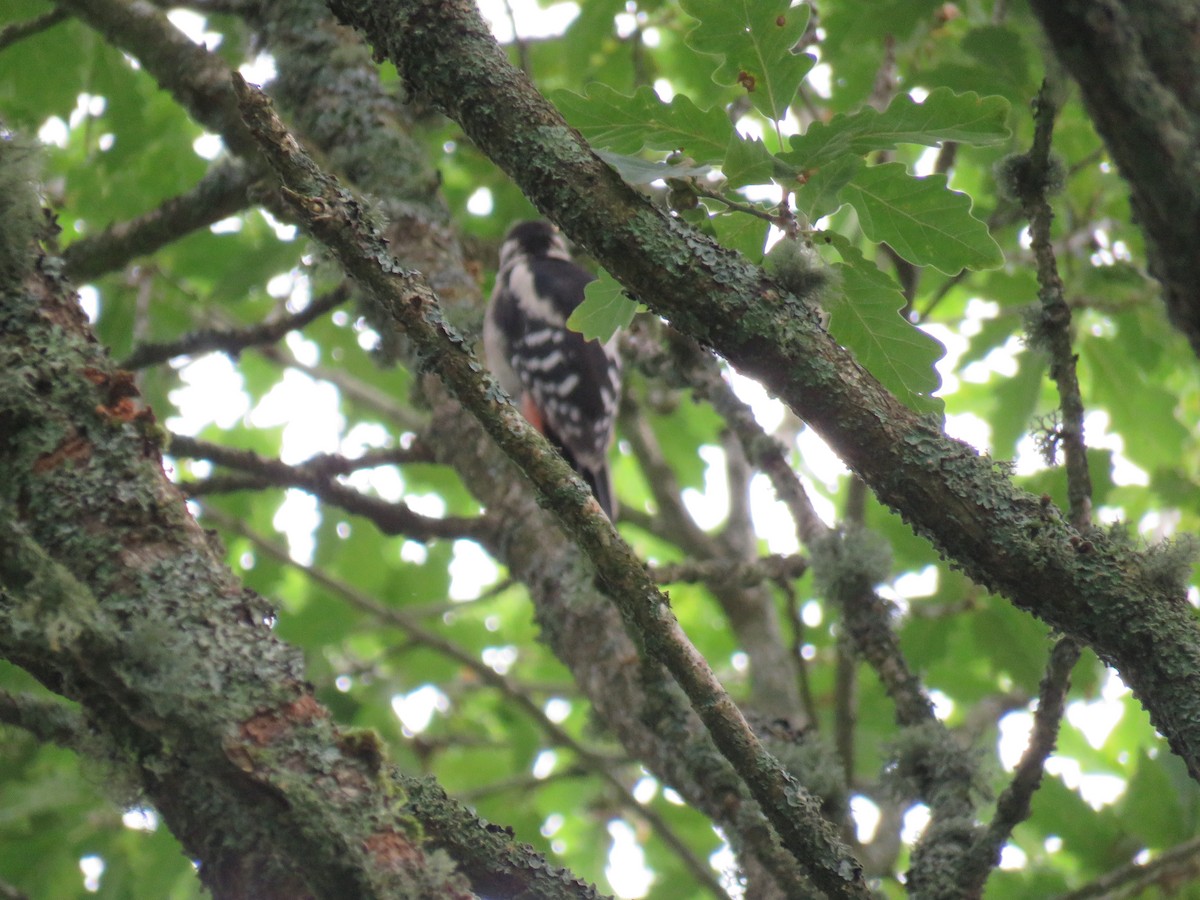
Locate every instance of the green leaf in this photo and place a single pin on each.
(748, 161)
(636, 170)
(942, 116)
(921, 219)
(820, 194)
(604, 310)
(627, 124)
(1151, 806)
(1142, 410)
(999, 49)
(754, 38)
(744, 233)
(867, 321)
(1015, 641)
(1013, 401)
(41, 80)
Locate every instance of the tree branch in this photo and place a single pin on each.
(319, 61)
(749, 608)
(1137, 70)
(317, 476)
(766, 568)
(8, 892)
(222, 192)
(46, 720)
(1169, 869)
(18, 31)
(1014, 804)
(197, 79)
(333, 217)
(234, 340)
(636, 700)
(1034, 175)
(1090, 589)
(212, 751)
(377, 400)
(127, 611)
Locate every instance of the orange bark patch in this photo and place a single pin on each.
(265, 727)
(392, 850)
(73, 448)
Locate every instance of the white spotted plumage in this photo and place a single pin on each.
(567, 386)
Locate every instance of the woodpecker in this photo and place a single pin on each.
(567, 387)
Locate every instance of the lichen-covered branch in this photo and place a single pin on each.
(1032, 178)
(369, 140)
(1090, 587)
(749, 608)
(766, 568)
(1013, 806)
(334, 218)
(213, 769)
(112, 596)
(1137, 68)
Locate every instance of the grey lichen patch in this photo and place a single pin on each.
(1167, 566)
(925, 762)
(798, 266)
(851, 559)
(936, 869)
(813, 763)
(1019, 179)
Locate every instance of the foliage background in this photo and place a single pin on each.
(347, 593)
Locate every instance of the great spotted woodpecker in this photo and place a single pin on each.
(565, 386)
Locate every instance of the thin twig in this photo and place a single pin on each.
(377, 400)
(868, 616)
(749, 209)
(8, 892)
(672, 519)
(234, 340)
(18, 31)
(750, 609)
(766, 568)
(1053, 332)
(845, 703)
(318, 477)
(522, 785)
(796, 619)
(1013, 807)
(1055, 325)
(1169, 870)
(519, 42)
(221, 193)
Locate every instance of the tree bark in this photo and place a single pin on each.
(114, 597)
(1139, 74)
(1091, 586)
